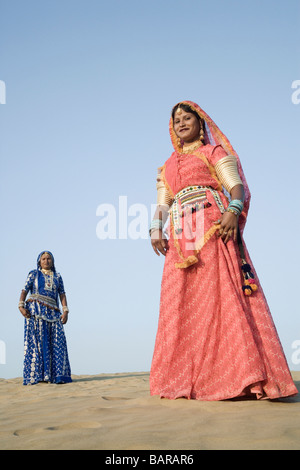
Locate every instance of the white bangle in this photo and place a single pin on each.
(21, 303)
(156, 224)
(65, 309)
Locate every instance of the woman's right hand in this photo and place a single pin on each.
(25, 312)
(159, 242)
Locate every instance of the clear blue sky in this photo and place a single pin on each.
(89, 89)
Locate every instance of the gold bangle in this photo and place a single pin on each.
(163, 195)
(227, 172)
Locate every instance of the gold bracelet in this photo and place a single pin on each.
(163, 195)
(227, 172)
(232, 211)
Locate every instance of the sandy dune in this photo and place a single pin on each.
(116, 412)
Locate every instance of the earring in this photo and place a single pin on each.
(201, 134)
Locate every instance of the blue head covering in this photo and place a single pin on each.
(39, 259)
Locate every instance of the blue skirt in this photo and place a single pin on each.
(45, 352)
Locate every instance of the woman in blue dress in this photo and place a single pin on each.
(45, 347)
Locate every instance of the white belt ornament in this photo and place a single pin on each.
(192, 199)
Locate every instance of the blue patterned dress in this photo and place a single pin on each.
(45, 348)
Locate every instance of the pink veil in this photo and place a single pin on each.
(214, 136)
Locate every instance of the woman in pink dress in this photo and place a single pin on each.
(216, 338)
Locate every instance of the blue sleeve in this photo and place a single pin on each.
(29, 281)
(61, 289)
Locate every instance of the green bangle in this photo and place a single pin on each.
(235, 207)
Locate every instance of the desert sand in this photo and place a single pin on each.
(116, 412)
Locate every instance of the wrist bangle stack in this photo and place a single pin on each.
(21, 303)
(156, 224)
(235, 207)
(65, 309)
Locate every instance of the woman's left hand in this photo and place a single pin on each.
(64, 318)
(229, 226)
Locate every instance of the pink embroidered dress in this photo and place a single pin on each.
(213, 342)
